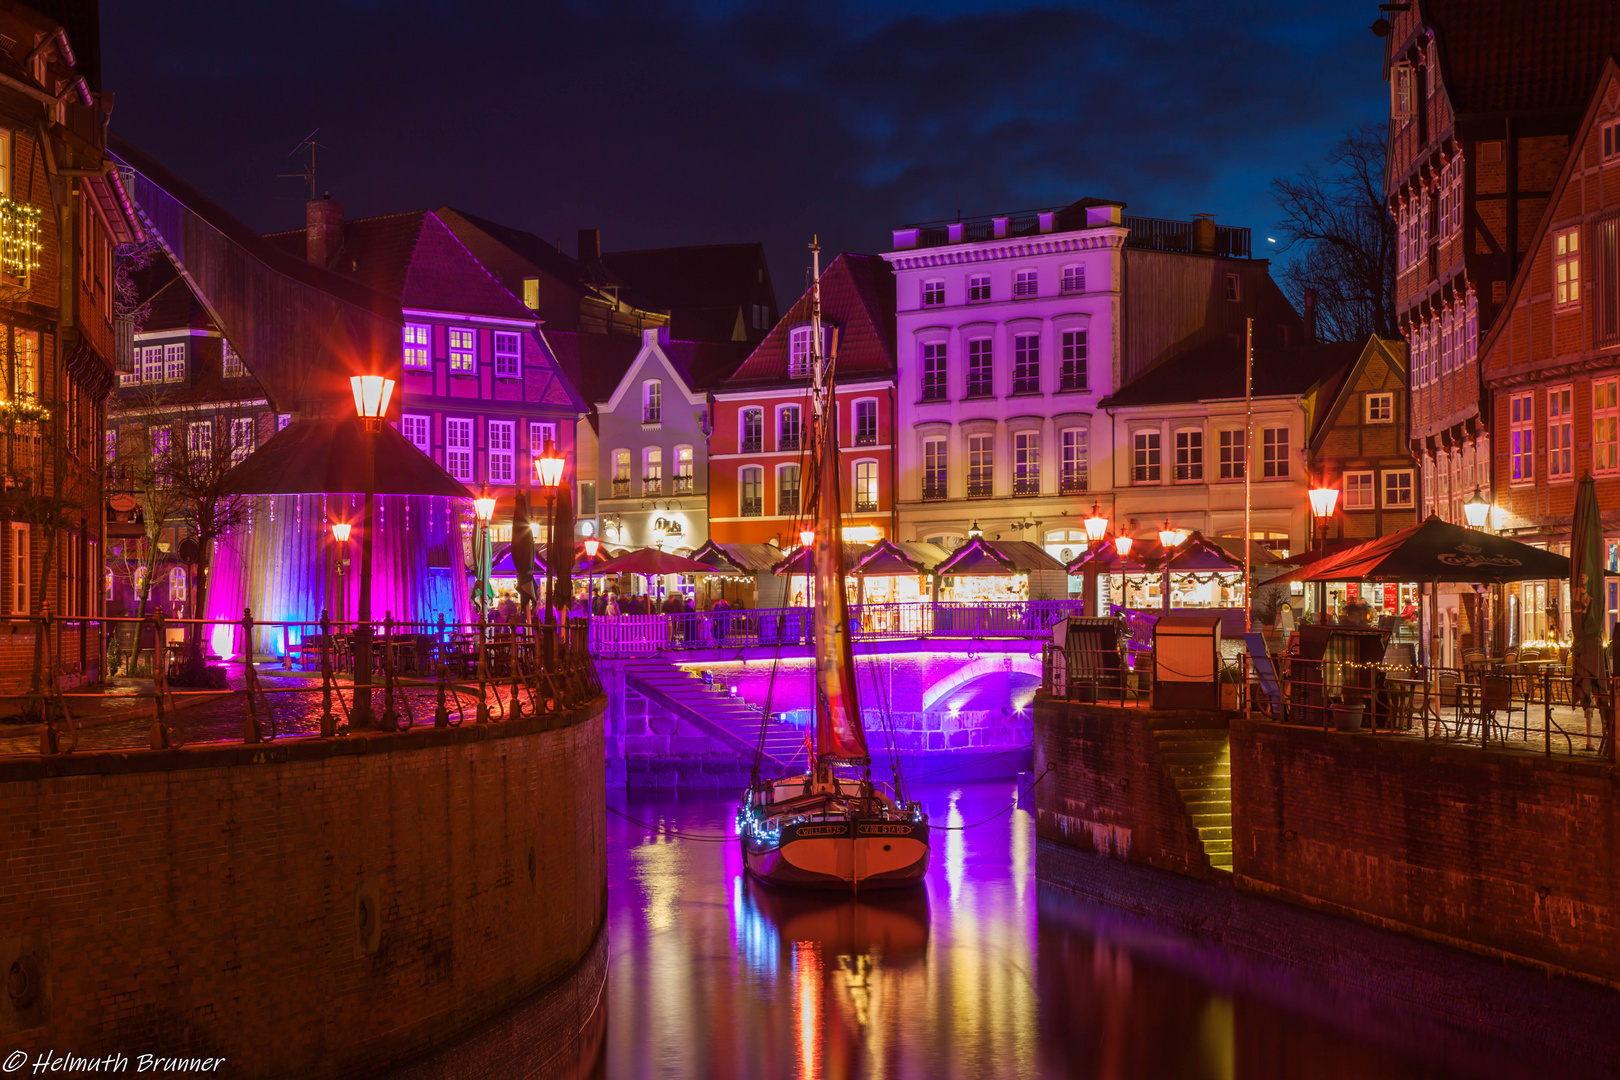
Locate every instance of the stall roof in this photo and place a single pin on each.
(795, 563)
(1198, 553)
(885, 558)
(980, 557)
(744, 558)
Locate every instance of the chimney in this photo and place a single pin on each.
(1310, 316)
(590, 245)
(1203, 230)
(323, 230)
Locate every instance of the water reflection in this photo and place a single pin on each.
(715, 975)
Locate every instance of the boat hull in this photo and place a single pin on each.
(849, 855)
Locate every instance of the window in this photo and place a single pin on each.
(1521, 414)
(200, 439)
(685, 481)
(508, 362)
(500, 438)
(244, 436)
(753, 430)
(933, 371)
(1605, 426)
(531, 293)
(415, 428)
(1445, 341)
(418, 354)
(978, 288)
(1560, 427)
(933, 468)
(1076, 466)
(980, 381)
(799, 342)
(751, 487)
(1233, 459)
(587, 498)
(282, 420)
(866, 487)
(1234, 287)
(20, 567)
(1273, 452)
(1381, 408)
(1567, 267)
(1611, 140)
(1145, 457)
(933, 293)
(652, 471)
(1398, 489)
(177, 583)
(458, 453)
(787, 490)
(1400, 92)
(463, 352)
(981, 466)
(174, 362)
(158, 439)
(110, 447)
(541, 433)
(1026, 283)
(1027, 463)
(866, 426)
(1470, 328)
(1074, 279)
(5, 164)
(151, 364)
(1072, 372)
(652, 402)
(787, 427)
(621, 473)
(230, 361)
(1189, 455)
(1027, 364)
(1359, 493)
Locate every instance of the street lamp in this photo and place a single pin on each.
(340, 533)
(484, 511)
(371, 396)
(1323, 500)
(1477, 510)
(1096, 529)
(974, 532)
(807, 537)
(548, 473)
(592, 546)
(1169, 540)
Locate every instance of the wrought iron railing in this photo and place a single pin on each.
(621, 489)
(1072, 484)
(980, 489)
(1025, 486)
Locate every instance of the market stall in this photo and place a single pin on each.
(893, 581)
(986, 585)
(742, 576)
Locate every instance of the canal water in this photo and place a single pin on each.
(979, 975)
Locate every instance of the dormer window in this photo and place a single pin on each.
(799, 352)
(933, 292)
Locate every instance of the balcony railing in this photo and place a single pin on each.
(980, 387)
(865, 504)
(1025, 289)
(684, 484)
(787, 503)
(933, 389)
(934, 490)
(1025, 486)
(752, 445)
(621, 488)
(866, 437)
(652, 416)
(652, 485)
(788, 441)
(1026, 384)
(753, 507)
(1072, 484)
(1072, 380)
(980, 489)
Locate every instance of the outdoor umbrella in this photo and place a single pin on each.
(1586, 593)
(560, 551)
(523, 550)
(1435, 551)
(653, 561)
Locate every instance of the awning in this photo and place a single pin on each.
(1435, 551)
(795, 563)
(886, 559)
(327, 457)
(977, 558)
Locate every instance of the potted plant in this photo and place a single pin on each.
(1347, 715)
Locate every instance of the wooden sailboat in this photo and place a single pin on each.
(831, 827)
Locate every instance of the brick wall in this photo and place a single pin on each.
(1502, 853)
(207, 900)
(1108, 791)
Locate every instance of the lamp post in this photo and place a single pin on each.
(548, 473)
(592, 546)
(1477, 510)
(1169, 540)
(340, 533)
(484, 512)
(1323, 500)
(1096, 529)
(371, 396)
(974, 532)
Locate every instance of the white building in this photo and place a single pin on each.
(1011, 330)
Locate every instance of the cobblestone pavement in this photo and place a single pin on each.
(296, 713)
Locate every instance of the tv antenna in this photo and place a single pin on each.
(308, 175)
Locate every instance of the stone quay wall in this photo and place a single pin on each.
(307, 908)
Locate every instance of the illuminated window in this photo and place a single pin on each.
(177, 583)
(1522, 433)
(652, 402)
(5, 164)
(463, 352)
(866, 487)
(980, 381)
(933, 292)
(244, 436)
(684, 480)
(787, 428)
(1072, 368)
(1076, 465)
(1398, 489)
(541, 432)
(866, 422)
(500, 451)
(231, 362)
(751, 486)
(933, 468)
(282, 420)
(1189, 455)
(933, 371)
(1273, 452)
(1027, 463)
(1567, 267)
(21, 570)
(200, 439)
(652, 470)
(1232, 456)
(1145, 457)
(1560, 430)
(1027, 364)
(418, 355)
(799, 342)
(1605, 425)
(1401, 82)
(978, 288)
(981, 466)
(174, 362)
(1381, 408)
(458, 451)
(415, 428)
(1359, 491)
(753, 430)
(508, 362)
(787, 490)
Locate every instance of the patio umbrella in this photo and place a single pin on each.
(560, 556)
(1435, 551)
(523, 550)
(1586, 591)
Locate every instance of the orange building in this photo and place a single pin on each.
(1551, 367)
(759, 444)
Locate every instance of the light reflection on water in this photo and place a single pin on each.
(715, 975)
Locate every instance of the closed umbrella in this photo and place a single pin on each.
(1586, 592)
(560, 553)
(523, 551)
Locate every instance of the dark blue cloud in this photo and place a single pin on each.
(716, 120)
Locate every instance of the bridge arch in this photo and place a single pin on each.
(1011, 663)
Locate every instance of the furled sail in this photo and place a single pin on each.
(838, 710)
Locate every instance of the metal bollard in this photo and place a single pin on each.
(390, 716)
(250, 726)
(328, 721)
(481, 716)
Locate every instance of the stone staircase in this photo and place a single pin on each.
(725, 718)
(1199, 761)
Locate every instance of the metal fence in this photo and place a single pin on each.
(420, 673)
(639, 634)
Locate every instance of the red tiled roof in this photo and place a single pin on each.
(415, 257)
(598, 362)
(1514, 56)
(857, 298)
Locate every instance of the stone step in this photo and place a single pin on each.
(1202, 768)
(1189, 784)
(1202, 804)
(1218, 847)
(1183, 735)
(1215, 832)
(1221, 864)
(1187, 746)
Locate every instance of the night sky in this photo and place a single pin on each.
(674, 123)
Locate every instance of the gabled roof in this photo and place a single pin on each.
(1214, 371)
(599, 362)
(858, 301)
(979, 557)
(414, 257)
(171, 305)
(1516, 56)
(1338, 387)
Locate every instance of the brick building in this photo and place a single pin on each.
(1551, 367)
(758, 468)
(61, 213)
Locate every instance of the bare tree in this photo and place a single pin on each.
(1342, 239)
(141, 467)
